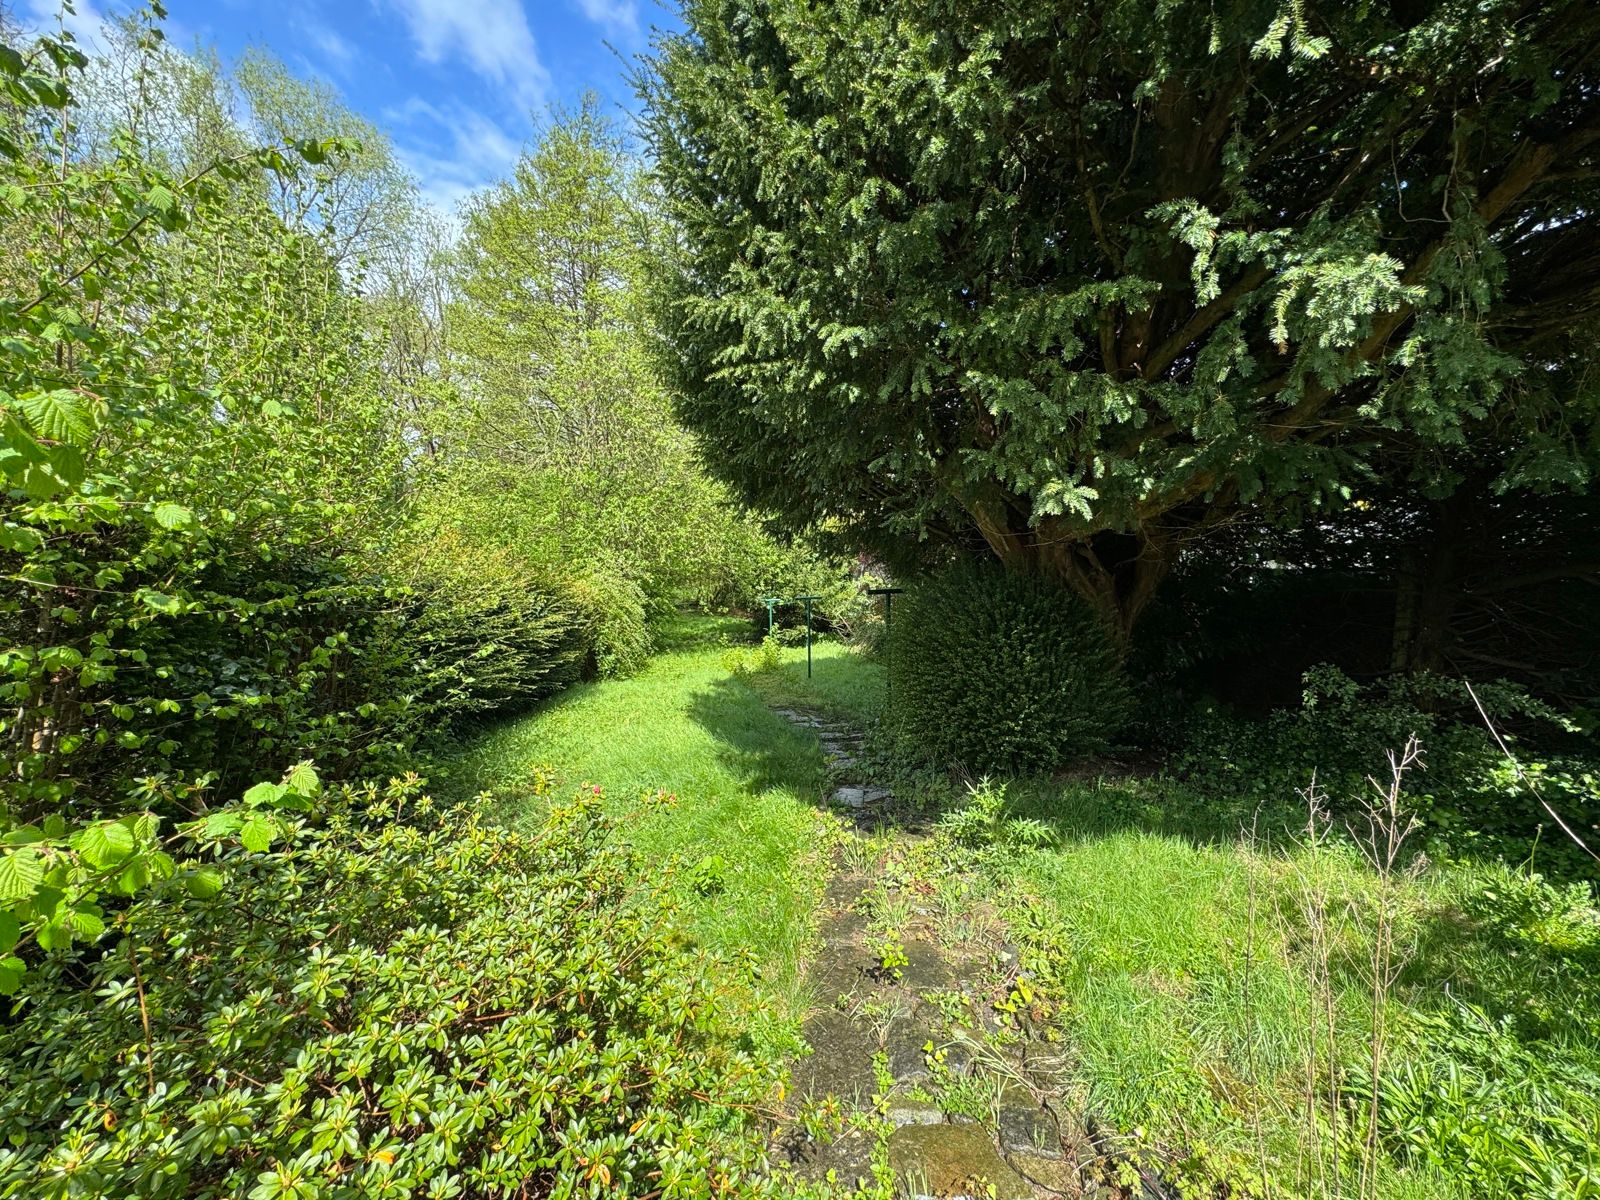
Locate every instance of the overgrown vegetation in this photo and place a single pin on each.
(1230, 973)
(406, 1002)
(703, 776)
(1224, 403)
(1081, 287)
(255, 518)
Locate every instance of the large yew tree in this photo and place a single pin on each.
(1078, 281)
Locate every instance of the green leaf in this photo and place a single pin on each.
(10, 931)
(135, 877)
(85, 922)
(303, 780)
(173, 516)
(161, 199)
(311, 150)
(66, 461)
(159, 601)
(11, 972)
(40, 483)
(20, 874)
(105, 844)
(62, 415)
(19, 539)
(263, 793)
(257, 834)
(204, 883)
(60, 658)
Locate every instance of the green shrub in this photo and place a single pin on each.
(407, 1003)
(476, 635)
(1001, 672)
(760, 660)
(617, 628)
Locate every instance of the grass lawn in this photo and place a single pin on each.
(842, 683)
(747, 827)
(1208, 986)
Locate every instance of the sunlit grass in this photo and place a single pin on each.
(842, 683)
(747, 824)
(1170, 932)
(1171, 945)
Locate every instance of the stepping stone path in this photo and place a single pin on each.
(893, 1045)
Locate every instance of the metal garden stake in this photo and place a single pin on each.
(769, 601)
(808, 600)
(888, 595)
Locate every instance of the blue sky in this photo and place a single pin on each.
(459, 85)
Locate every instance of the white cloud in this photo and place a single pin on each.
(491, 35)
(453, 151)
(616, 17)
(333, 47)
(84, 24)
(90, 24)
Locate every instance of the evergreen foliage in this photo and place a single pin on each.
(997, 671)
(1076, 284)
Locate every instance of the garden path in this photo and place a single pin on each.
(911, 1071)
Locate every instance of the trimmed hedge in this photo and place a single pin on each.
(996, 671)
(612, 609)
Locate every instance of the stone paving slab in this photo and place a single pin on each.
(953, 1162)
(864, 1011)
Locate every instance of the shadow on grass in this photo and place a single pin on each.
(755, 744)
(689, 630)
(842, 684)
(1095, 803)
(1492, 951)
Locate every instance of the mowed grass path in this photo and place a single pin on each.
(747, 828)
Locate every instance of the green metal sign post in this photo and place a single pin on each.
(808, 600)
(770, 601)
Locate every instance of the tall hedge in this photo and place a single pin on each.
(999, 671)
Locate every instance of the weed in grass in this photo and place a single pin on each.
(954, 1006)
(889, 954)
(883, 1014)
(886, 908)
(975, 1094)
(746, 663)
(857, 855)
